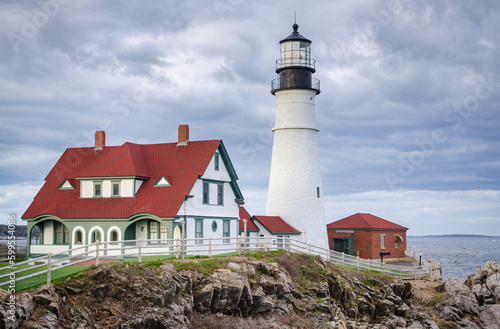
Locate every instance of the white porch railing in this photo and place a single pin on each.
(205, 246)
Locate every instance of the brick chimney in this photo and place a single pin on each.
(100, 140)
(183, 135)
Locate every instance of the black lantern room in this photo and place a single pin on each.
(295, 67)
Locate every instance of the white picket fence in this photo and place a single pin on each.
(180, 248)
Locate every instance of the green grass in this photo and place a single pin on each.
(38, 280)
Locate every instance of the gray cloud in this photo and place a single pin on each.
(410, 91)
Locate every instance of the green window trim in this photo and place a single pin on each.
(97, 186)
(113, 236)
(206, 192)
(198, 230)
(61, 233)
(78, 237)
(95, 235)
(216, 161)
(220, 194)
(115, 183)
(162, 182)
(62, 187)
(226, 231)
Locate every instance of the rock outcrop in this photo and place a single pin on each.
(275, 290)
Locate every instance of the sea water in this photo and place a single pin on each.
(459, 256)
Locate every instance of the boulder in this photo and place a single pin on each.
(402, 289)
(384, 308)
(490, 316)
(460, 296)
(485, 283)
(26, 305)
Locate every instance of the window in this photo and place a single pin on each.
(214, 226)
(220, 194)
(205, 193)
(317, 192)
(78, 236)
(115, 189)
(382, 241)
(153, 231)
(280, 241)
(226, 231)
(396, 245)
(216, 161)
(96, 236)
(114, 235)
(163, 232)
(97, 189)
(61, 233)
(198, 231)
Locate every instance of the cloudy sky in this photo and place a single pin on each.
(409, 110)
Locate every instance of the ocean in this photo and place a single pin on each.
(459, 256)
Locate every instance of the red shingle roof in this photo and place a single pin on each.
(250, 224)
(275, 224)
(182, 164)
(364, 221)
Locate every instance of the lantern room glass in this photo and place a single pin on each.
(296, 53)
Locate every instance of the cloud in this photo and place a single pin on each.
(408, 88)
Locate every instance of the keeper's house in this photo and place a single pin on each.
(132, 191)
(366, 236)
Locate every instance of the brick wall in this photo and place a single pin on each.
(368, 244)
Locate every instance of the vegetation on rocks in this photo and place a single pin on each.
(260, 290)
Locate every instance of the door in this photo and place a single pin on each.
(341, 245)
(177, 234)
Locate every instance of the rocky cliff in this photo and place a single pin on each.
(264, 290)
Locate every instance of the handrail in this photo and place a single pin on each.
(204, 246)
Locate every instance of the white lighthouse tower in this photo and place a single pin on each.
(295, 190)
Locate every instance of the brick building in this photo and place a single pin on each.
(367, 235)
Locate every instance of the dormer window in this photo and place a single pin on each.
(162, 182)
(112, 187)
(97, 189)
(115, 189)
(66, 185)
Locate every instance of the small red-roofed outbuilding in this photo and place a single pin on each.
(366, 236)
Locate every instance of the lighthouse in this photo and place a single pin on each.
(295, 190)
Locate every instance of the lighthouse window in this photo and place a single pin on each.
(318, 192)
(304, 53)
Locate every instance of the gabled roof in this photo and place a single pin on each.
(275, 224)
(250, 224)
(364, 221)
(182, 164)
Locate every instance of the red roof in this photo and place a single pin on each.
(341, 235)
(182, 164)
(364, 221)
(250, 224)
(275, 224)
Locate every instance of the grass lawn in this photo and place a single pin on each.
(38, 280)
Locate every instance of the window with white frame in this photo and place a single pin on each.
(382, 241)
